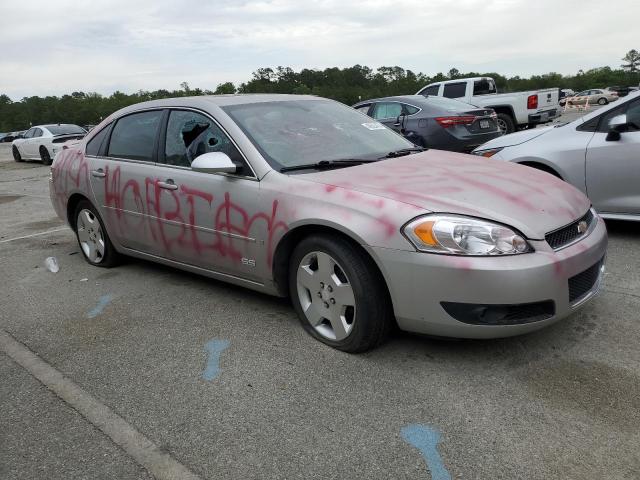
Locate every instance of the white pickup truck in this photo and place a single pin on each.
(514, 110)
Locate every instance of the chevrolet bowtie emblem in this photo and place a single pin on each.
(582, 226)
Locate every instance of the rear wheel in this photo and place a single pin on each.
(602, 101)
(45, 156)
(16, 154)
(92, 237)
(338, 294)
(506, 124)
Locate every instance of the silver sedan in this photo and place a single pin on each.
(599, 154)
(304, 197)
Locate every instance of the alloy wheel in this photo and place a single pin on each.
(326, 296)
(90, 236)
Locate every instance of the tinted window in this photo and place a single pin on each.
(29, 133)
(297, 132)
(589, 126)
(66, 129)
(484, 87)
(410, 109)
(387, 110)
(631, 109)
(134, 136)
(190, 134)
(454, 90)
(363, 108)
(93, 146)
(432, 90)
(37, 132)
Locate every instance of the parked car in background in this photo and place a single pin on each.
(434, 122)
(593, 96)
(514, 110)
(619, 91)
(564, 94)
(300, 196)
(598, 154)
(42, 142)
(11, 136)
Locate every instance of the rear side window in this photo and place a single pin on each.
(37, 132)
(455, 90)
(431, 90)
(387, 110)
(484, 87)
(134, 136)
(411, 110)
(93, 146)
(190, 134)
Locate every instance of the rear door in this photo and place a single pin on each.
(206, 219)
(613, 167)
(122, 178)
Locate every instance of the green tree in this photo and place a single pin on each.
(632, 59)
(226, 87)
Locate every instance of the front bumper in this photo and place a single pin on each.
(419, 283)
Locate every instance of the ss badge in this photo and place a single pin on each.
(249, 262)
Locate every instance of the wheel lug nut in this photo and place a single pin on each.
(319, 295)
(326, 305)
(321, 284)
(333, 301)
(330, 288)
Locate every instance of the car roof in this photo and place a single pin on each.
(397, 98)
(204, 101)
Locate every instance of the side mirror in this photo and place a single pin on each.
(617, 125)
(213, 162)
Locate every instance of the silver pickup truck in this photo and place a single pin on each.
(514, 110)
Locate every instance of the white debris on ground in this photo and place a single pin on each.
(51, 264)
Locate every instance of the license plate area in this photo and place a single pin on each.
(485, 124)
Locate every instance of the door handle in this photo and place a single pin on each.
(99, 173)
(168, 185)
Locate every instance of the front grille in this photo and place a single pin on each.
(565, 235)
(509, 314)
(583, 283)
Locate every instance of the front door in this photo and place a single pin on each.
(613, 167)
(207, 220)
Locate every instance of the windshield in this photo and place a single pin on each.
(299, 132)
(65, 129)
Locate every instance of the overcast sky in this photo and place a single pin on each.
(56, 47)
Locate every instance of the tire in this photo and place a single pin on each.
(16, 154)
(93, 240)
(505, 122)
(602, 101)
(338, 294)
(45, 156)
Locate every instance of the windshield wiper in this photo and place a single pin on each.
(324, 164)
(404, 151)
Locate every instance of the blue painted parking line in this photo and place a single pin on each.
(214, 348)
(426, 440)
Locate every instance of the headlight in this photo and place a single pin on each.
(458, 235)
(487, 153)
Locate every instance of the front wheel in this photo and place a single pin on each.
(602, 101)
(338, 294)
(45, 156)
(93, 239)
(16, 154)
(506, 124)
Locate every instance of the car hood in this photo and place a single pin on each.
(515, 138)
(527, 199)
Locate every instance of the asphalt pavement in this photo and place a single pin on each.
(223, 381)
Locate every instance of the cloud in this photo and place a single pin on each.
(64, 46)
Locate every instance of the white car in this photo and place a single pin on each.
(597, 154)
(43, 142)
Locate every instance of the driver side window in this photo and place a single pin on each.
(631, 109)
(191, 134)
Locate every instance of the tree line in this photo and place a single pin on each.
(347, 85)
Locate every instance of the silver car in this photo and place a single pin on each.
(304, 197)
(599, 154)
